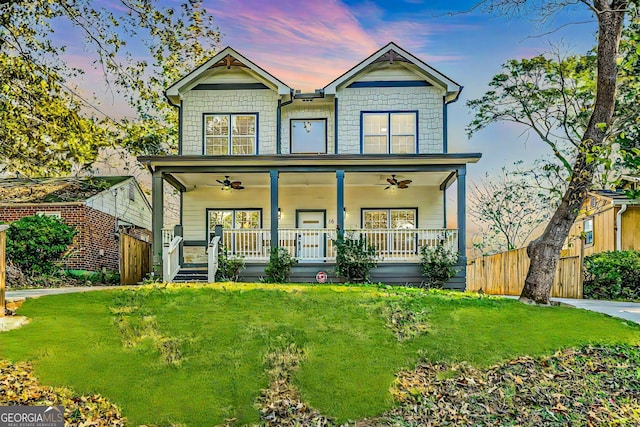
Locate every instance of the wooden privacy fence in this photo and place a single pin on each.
(504, 274)
(3, 267)
(135, 259)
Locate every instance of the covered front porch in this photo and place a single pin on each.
(300, 203)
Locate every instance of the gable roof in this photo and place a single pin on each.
(227, 57)
(616, 197)
(392, 52)
(56, 190)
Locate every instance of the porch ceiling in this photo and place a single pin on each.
(309, 179)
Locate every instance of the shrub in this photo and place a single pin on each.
(279, 268)
(354, 258)
(229, 267)
(35, 242)
(612, 275)
(437, 265)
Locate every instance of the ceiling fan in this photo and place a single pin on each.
(230, 185)
(393, 182)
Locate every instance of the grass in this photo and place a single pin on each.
(195, 355)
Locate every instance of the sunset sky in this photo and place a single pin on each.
(308, 43)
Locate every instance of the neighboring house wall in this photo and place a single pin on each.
(116, 201)
(95, 246)
(604, 229)
(631, 228)
(196, 103)
(427, 100)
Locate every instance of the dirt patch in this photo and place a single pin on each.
(8, 323)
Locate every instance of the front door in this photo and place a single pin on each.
(311, 237)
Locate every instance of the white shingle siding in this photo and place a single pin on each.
(115, 201)
(198, 102)
(307, 110)
(426, 100)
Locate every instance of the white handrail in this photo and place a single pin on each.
(171, 259)
(316, 244)
(212, 259)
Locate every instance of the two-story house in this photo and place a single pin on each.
(367, 153)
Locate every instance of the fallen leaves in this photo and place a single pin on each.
(591, 386)
(18, 386)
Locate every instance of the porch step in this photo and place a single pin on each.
(191, 275)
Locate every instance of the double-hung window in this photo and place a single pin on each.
(588, 231)
(230, 134)
(389, 132)
(248, 242)
(388, 230)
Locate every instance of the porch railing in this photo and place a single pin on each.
(392, 245)
(171, 259)
(167, 236)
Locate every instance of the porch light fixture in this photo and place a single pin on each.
(279, 213)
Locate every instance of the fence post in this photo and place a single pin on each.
(3, 268)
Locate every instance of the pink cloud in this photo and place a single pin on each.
(309, 44)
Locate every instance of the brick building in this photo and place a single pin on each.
(100, 208)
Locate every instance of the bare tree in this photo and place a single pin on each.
(509, 208)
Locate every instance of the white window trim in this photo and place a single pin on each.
(388, 210)
(390, 134)
(56, 214)
(230, 134)
(584, 229)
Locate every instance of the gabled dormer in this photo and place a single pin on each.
(397, 102)
(228, 106)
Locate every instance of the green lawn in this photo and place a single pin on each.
(196, 355)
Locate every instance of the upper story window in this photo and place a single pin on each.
(230, 134)
(389, 132)
(588, 231)
(308, 136)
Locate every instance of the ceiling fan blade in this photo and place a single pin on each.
(392, 181)
(405, 182)
(387, 187)
(236, 183)
(239, 187)
(403, 185)
(221, 182)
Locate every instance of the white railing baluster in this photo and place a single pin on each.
(316, 243)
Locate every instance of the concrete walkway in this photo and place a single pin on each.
(35, 293)
(624, 310)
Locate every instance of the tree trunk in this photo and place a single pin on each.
(544, 252)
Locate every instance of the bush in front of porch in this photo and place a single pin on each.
(279, 268)
(355, 257)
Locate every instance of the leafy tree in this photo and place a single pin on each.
(543, 96)
(139, 46)
(509, 208)
(35, 242)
